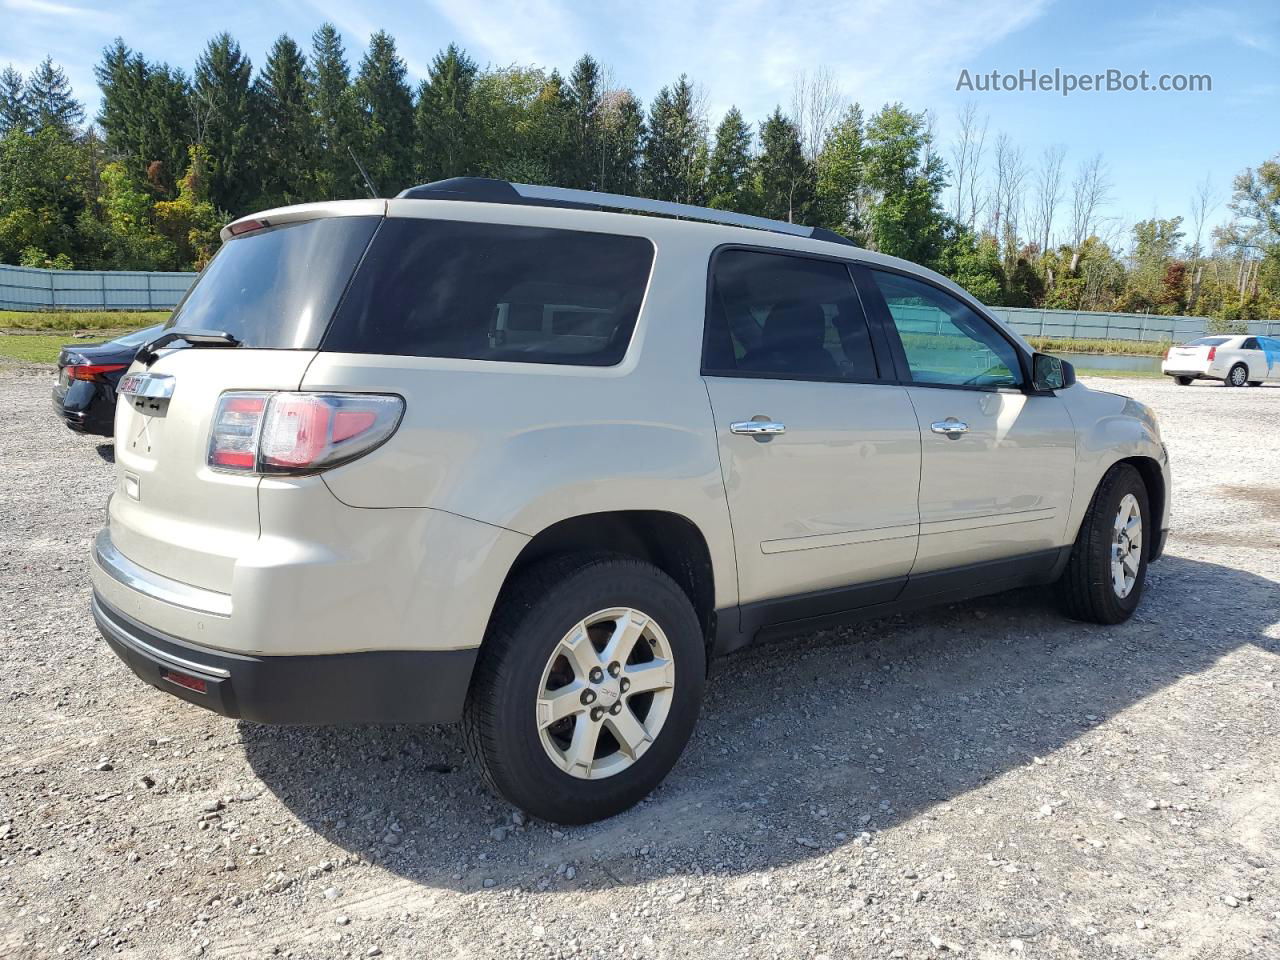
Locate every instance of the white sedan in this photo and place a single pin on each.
(1236, 361)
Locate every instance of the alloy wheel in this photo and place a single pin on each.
(605, 693)
(1126, 546)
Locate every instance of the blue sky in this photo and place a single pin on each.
(747, 52)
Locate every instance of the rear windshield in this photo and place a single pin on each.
(1208, 342)
(277, 288)
(479, 291)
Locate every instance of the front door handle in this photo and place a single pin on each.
(950, 427)
(758, 428)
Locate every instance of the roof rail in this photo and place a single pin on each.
(485, 190)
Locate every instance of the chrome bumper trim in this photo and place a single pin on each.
(112, 624)
(123, 570)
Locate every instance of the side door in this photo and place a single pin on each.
(1271, 353)
(1256, 359)
(820, 456)
(997, 458)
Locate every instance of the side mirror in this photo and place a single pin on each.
(1051, 373)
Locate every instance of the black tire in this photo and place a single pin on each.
(1237, 376)
(1086, 585)
(1255, 383)
(1183, 381)
(533, 614)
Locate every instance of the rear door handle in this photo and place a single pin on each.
(758, 428)
(950, 427)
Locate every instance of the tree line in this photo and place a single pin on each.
(171, 156)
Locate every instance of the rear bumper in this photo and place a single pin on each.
(381, 686)
(98, 417)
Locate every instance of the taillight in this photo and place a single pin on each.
(1213, 352)
(92, 371)
(298, 432)
(1166, 352)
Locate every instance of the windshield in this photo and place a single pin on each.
(277, 288)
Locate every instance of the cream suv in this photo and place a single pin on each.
(494, 453)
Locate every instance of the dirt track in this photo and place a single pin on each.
(984, 780)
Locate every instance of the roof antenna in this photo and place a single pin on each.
(368, 183)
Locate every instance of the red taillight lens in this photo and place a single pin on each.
(1213, 352)
(247, 226)
(92, 371)
(1166, 352)
(299, 432)
(233, 441)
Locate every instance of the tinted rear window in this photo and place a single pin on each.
(277, 288)
(479, 291)
(1208, 342)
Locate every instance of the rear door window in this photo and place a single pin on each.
(277, 287)
(482, 291)
(774, 315)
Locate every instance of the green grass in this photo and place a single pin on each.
(1131, 348)
(44, 347)
(80, 320)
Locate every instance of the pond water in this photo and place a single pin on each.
(1111, 361)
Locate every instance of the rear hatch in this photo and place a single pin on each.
(274, 289)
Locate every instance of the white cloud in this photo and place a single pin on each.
(747, 52)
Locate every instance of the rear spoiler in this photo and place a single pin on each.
(304, 211)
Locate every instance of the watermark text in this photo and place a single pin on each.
(1066, 83)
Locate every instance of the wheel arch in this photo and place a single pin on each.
(670, 541)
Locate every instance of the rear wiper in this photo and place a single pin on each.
(197, 338)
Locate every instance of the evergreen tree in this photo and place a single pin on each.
(49, 99)
(907, 178)
(840, 176)
(227, 124)
(584, 99)
(620, 127)
(145, 116)
(729, 172)
(14, 112)
(334, 108)
(289, 144)
(675, 151)
(443, 119)
(386, 115)
(785, 179)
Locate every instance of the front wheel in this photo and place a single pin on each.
(1105, 575)
(587, 688)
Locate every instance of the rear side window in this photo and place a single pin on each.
(773, 315)
(277, 287)
(1250, 344)
(946, 343)
(481, 291)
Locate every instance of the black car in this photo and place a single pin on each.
(85, 394)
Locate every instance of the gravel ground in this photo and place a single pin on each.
(983, 780)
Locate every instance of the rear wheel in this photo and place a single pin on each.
(1255, 383)
(1108, 567)
(588, 687)
(1238, 376)
(1183, 381)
